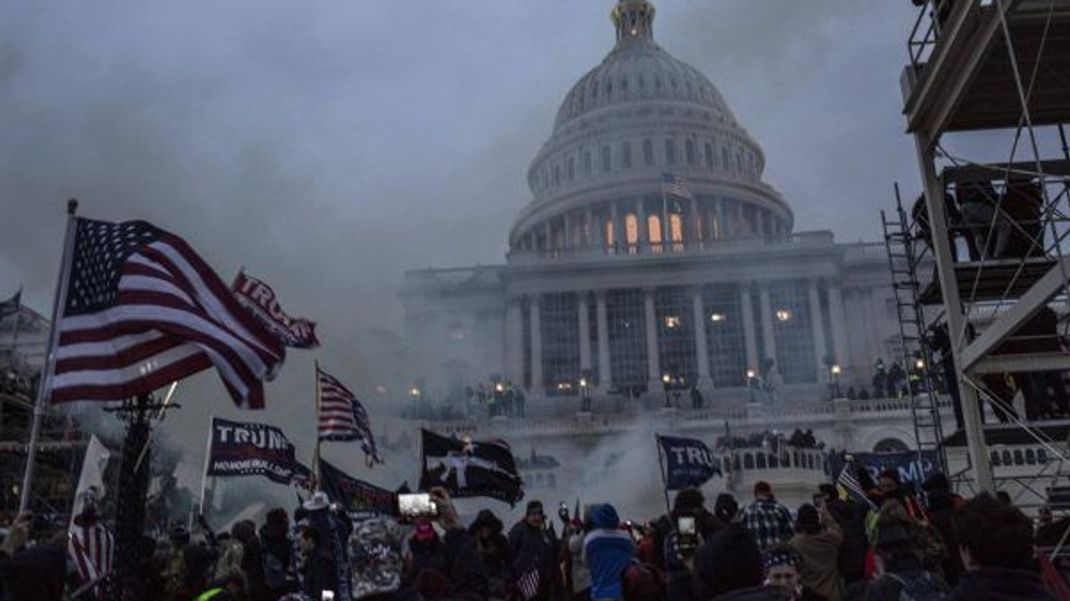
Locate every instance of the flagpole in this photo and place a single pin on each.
(50, 360)
(204, 472)
(661, 470)
(316, 451)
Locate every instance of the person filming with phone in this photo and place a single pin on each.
(443, 562)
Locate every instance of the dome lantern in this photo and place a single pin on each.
(634, 20)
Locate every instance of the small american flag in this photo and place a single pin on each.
(142, 310)
(528, 584)
(676, 186)
(342, 417)
(850, 485)
(90, 550)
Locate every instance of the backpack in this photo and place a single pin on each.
(921, 588)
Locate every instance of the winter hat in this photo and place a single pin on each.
(604, 515)
(534, 507)
(725, 508)
(780, 556)
(486, 518)
(375, 557)
(319, 500)
(808, 519)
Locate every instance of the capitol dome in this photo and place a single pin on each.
(637, 125)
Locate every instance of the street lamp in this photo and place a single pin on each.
(750, 384)
(666, 380)
(585, 393)
(835, 370)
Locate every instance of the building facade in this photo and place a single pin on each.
(653, 255)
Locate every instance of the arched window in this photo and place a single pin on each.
(1007, 458)
(709, 157)
(890, 445)
(676, 229)
(739, 162)
(995, 458)
(624, 83)
(653, 228)
(631, 229)
(571, 170)
(611, 235)
(626, 155)
(689, 152)
(1030, 457)
(1018, 459)
(670, 152)
(648, 153)
(587, 163)
(605, 160)
(726, 162)
(557, 174)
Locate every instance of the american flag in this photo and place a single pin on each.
(90, 550)
(676, 186)
(142, 310)
(528, 584)
(342, 417)
(849, 485)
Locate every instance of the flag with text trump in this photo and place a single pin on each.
(142, 310)
(260, 300)
(342, 417)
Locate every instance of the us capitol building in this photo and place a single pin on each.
(653, 258)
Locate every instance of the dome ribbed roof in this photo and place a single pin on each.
(635, 72)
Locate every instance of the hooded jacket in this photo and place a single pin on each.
(608, 551)
(1000, 584)
(729, 561)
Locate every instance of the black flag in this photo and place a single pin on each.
(361, 499)
(469, 468)
(688, 462)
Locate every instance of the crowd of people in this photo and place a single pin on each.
(892, 545)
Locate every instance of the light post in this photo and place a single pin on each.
(585, 393)
(834, 380)
(666, 380)
(750, 384)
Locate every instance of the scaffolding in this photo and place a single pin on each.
(995, 65)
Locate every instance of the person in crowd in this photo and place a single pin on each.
(190, 565)
(252, 560)
(996, 545)
(891, 487)
(277, 547)
(689, 502)
(730, 559)
(608, 551)
(446, 565)
(850, 515)
(534, 549)
(493, 550)
(230, 559)
(925, 538)
(328, 554)
(318, 571)
(769, 521)
(940, 505)
(781, 581)
(696, 397)
(90, 545)
(899, 568)
(32, 572)
(578, 573)
(817, 542)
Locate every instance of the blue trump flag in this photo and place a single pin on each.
(687, 462)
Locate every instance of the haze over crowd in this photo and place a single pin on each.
(330, 147)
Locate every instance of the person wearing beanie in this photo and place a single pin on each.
(534, 547)
(817, 542)
(768, 520)
(607, 551)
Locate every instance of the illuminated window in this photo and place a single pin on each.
(676, 227)
(648, 152)
(611, 235)
(725, 341)
(676, 336)
(653, 227)
(631, 231)
(792, 331)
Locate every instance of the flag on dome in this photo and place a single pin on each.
(342, 416)
(676, 186)
(142, 310)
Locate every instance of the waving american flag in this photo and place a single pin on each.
(142, 310)
(342, 416)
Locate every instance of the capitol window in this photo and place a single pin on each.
(571, 170)
(709, 157)
(726, 162)
(653, 223)
(689, 152)
(670, 152)
(631, 230)
(648, 152)
(624, 83)
(605, 160)
(626, 155)
(587, 163)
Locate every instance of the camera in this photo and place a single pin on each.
(417, 505)
(687, 535)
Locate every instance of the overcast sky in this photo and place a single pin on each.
(329, 146)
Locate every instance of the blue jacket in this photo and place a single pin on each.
(609, 551)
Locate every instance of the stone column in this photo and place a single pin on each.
(750, 339)
(768, 339)
(651, 327)
(605, 376)
(549, 235)
(721, 225)
(702, 352)
(817, 325)
(585, 331)
(537, 384)
(741, 223)
(695, 231)
(589, 232)
(514, 341)
(837, 316)
(614, 219)
(644, 231)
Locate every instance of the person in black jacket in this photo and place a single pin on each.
(899, 565)
(278, 553)
(447, 566)
(940, 504)
(996, 543)
(32, 573)
(728, 561)
(493, 550)
(534, 546)
(851, 517)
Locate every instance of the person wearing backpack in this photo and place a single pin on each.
(900, 575)
(608, 551)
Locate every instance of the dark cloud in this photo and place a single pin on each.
(328, 147)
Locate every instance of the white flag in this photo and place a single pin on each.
(96, 461)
